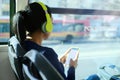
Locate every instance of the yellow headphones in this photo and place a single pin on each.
(47, 26)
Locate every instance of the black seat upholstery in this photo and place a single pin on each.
(15, 52)
(42, 65)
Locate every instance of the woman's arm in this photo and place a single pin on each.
(53, 58)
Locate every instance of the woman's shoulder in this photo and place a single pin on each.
(48, 49)
(31, 45)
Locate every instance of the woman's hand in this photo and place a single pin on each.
(63, 58)
(74, 63)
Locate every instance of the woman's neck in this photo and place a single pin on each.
(39, 42)
(37, 38)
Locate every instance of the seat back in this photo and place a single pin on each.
(15, 47)
(41, 64)
(109, 72)
(15, 53)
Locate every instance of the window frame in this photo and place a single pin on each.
(83, 11)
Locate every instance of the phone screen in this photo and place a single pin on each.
(72, 55)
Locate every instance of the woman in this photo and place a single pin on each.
(34, 19)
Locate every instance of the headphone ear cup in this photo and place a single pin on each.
(49, 25)
(44, 27)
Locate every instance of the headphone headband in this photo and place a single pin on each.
(49, 26)
(43, 6)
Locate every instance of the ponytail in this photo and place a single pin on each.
(19, 24)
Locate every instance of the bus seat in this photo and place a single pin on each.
(35, 60)
(15, 47)
(15, 53)
(109, 72)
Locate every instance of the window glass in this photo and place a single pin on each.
(83, 4)
(4, 20)
(5, 1)
(97, 36)
(89, 27)
(5, 13)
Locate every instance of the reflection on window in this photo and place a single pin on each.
(4, 20)
(73, 25)
(88, 27)
(84, 4)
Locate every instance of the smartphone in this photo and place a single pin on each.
(73, 53)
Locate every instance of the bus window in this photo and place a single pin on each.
(65, 25)
(4, 21)
(95, 30)
(83, 4)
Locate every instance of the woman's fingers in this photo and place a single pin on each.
(63, 59)
(73, 63)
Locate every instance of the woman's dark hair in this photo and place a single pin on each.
(31, 19)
